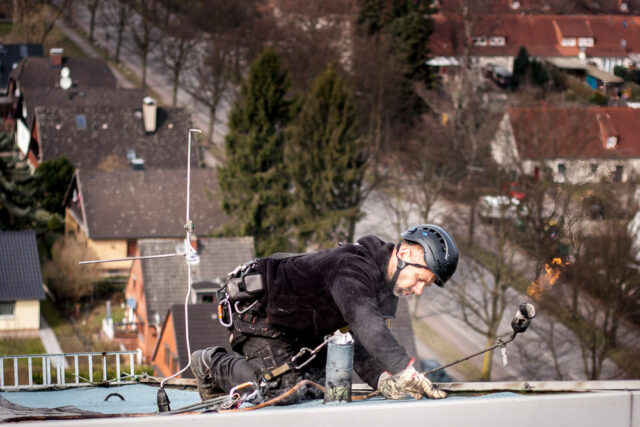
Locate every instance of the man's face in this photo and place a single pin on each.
(412, 280)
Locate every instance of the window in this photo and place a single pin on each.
(479, 41)
(612, 141)
(585, 41)
(617, 175)
(594, 168)
(7, 308)
(562, 169)
(81, 121)
(496, 41)
(568, 42)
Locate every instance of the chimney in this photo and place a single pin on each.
(149, 114)
(608, 134)
(55, 56)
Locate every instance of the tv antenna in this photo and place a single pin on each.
(191, 257)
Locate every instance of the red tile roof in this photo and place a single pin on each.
(548, 132)
(614, 36)
(542, 6)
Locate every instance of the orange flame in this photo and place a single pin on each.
(548, 279)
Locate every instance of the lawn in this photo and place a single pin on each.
(5, 29)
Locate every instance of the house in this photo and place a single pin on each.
(110, 137)
(42, 72)
(170, 354)
(20, 281)
(32, 98)
(608, 7)
(10, 57)
(154, 285)
(604, 41)
(577, 144)
(112, 210)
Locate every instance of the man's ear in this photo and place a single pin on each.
(404, 252)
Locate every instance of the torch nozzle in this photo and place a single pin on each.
(526, 312)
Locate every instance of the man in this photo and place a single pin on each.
(307, 297)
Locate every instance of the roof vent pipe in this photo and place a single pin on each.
(149, 114)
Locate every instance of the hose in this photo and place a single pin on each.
(277, 399)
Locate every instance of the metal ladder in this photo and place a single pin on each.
(60, 371)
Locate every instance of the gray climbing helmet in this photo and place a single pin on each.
(440, 250)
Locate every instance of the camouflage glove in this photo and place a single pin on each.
(408, 382)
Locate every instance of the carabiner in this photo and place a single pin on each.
(232, 402)
(301, 353)
(244, 310)
(221, 314)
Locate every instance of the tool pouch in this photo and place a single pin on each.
(245, 283)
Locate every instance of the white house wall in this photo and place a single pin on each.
(579, 171)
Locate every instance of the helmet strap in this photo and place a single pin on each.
(399, 266)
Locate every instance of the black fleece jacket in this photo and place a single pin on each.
(320, 292)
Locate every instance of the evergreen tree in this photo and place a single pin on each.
(372, 16)
(412, 25)
(539, 74)
(520, 66)
(18, 208)
(327, 160)
(51, 181)
(255, 191)
(408, 25)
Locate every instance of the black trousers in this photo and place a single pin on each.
(260, 348)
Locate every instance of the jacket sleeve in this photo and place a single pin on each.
(353, 289)
(366, 366)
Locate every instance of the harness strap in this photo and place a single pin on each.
(276, 372)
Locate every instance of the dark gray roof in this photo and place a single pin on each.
(128, 204)
(109, 132)
(204, 331)
(20, 277)
(165, 279)
(10, 57)
(84, 72)
(87, 97)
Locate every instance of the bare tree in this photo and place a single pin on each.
(116, 14)
(35, 20)
(213, 79)
(92, 7)
(483, 296)
(600, 294)
(68, 280)
(182, 38)
(144, 31)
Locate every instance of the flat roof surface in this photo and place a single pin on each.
(615, 403)
(138, 398)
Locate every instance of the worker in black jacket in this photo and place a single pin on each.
(307, 297)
